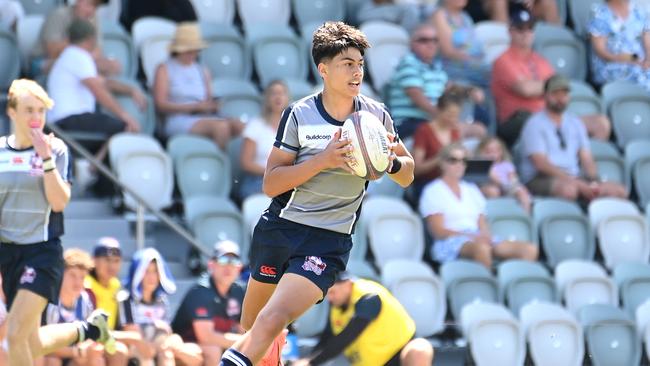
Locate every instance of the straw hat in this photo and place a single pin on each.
(187, 38)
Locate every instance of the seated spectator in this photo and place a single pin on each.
(518, 77)
(182, 91)
(432, 136)
(555, 152)
(210, 312)
(76, 86)
(504, 180)
(75, 304)
(144, 309)
(259, 136)
(53, 38)
(461, 51)
(418, 82)
(175, 10)
(10, 12)
(455, 214)
(406, 15)
(498, 10)
(362, 315)
(620, 39)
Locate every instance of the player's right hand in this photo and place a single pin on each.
(336, 153)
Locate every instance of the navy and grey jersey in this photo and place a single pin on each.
(331, 199)
(26, 216)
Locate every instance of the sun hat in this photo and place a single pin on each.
(187, 38)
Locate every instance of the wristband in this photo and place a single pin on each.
(397, 165)
(48, 164)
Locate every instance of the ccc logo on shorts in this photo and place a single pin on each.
(268, 271)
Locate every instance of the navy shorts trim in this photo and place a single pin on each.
(34, 267)
(281, 246)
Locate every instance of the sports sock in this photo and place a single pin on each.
(86, 330)
(233, 358)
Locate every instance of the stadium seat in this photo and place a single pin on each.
(609, 162)
(88, 208)
(628, 106)
(494, 37)
(117, 45)
(637, 163)
(389, 43)
(183, 285)
(318, 11)
(580, 11)
(201, 168)
(252, 208)
(362, 269)
(216, 218)
(509, 221)
(109, 11)
(554, 335)
(564, 230)
(239, 98)
(494, 335)
(264, 11)
(633, 281)
(621, 230)
(582, 283)
(393, 235)
(385, 186)
(84, 232)
(467, 282)
(151, 27)
(298, 88)
(584, 99)
(610, 335)
(146, 117)
(420, 291)
(40, 7)
(215, 11)
(522, 282)
(9, 59)
(279, 57)
(234, 153)
(153, 52)
(142, 165)
(313, 322)
(562, 49)
(642, 320)
(28, 28)
(227, 54)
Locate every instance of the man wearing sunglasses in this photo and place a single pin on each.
(210, 312)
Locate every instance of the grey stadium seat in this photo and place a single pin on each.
(580, 12)
(227, 54)
(637, 163)
(509, 221)
(562, 49)
(633, 280)
(42, 7)
(215, 11)
(9, 59)
(609, 162)
(389, 43)
(253, 12)
(318, 11)
(117, 44)
(522, 282)
(466, 282)
(239, 98)
(583, 283)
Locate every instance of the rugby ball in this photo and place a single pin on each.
(370, 143)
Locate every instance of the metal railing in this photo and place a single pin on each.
(142, 204)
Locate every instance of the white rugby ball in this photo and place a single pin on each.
(370, 142)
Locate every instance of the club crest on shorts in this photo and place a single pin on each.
(314, 264)
(28, 276)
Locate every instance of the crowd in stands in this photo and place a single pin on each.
(450, 104)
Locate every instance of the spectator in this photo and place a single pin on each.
(144, 309)
(183, 91)
(518, 77)
(175, 10)
(362, 314)
(102, 282)
(418, 82)
(555, 152)
(76, 86)
(432, 136)
(455, 213)
(54, 38)
(210, 312)
(11, 11)
(504, 180)
(620, 42)
(498, 10)
(406, 15)
(259, 136)
(461, 51)
(74, 305)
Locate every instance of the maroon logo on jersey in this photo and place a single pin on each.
(314, 264)
(268, 271)
(28, 276)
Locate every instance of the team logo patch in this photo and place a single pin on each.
(28, 276)
(268, 271)
(201, 311)
(233, 307)
(314, 264)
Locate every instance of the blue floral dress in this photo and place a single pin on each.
(623, 36)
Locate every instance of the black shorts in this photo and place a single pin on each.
(281, 246)
(97, 122)
(34, 267)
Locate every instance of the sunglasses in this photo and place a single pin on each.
(452, 160)
(426, 40)
(560, 137)
(228, 260)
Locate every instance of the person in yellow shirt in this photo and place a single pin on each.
(370, 327)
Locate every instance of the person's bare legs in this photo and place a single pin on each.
(479, 250)
(598, 125)
(284, 306)
(120, 357)
(189, 354)
(418, 352)
(257, 295)
(546, 10)
(565, 188)
(497, 9)
(26, 340)
(217, 130)
(516, 250)
(211, 354)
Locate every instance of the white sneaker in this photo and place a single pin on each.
(99, 318)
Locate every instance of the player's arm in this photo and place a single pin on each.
(282, 174)
(365, 311)
(402, 166)
(57, 190)
(205, 334)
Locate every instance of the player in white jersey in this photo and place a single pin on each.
(303, 240)
(34, 190)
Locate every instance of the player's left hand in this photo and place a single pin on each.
(391, 148)
(42, 143)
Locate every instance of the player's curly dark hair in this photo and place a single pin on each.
(332, 38)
